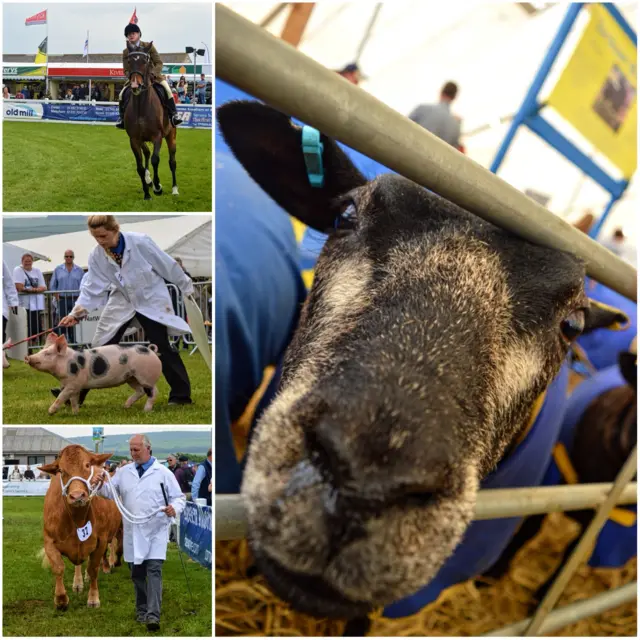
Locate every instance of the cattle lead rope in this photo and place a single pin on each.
(131, 518)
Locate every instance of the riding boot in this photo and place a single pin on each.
(120, 123)
(174, 118)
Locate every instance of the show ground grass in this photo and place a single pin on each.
(27, 397)
(28, 589)
(73, 167)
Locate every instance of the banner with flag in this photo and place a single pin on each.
(39, 18)
(134, 17)
(41, 56)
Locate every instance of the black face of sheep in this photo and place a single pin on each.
(425, 340)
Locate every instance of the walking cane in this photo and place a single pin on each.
(193, 610)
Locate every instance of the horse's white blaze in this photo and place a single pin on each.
(174, 191)
(147, 176)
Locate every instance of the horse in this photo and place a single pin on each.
(146, 120)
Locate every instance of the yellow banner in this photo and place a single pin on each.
(596, 92)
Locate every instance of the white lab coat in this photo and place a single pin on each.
(136, 286)
(9, 291)
(140, 496)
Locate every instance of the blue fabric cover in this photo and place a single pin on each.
(616, 543)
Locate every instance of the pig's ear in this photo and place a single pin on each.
(269, 147)
(61, 344)
(51, 469)
(51, 339)
(99, 459)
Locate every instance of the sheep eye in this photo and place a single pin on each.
(346, 220)
(573, 325)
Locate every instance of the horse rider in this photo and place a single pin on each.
(133, 34)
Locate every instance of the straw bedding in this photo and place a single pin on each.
(246, 606)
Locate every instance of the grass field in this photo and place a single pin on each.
(102, 406)
(28, 589)
(76, 167)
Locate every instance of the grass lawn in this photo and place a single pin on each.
(28, 589)
(92, 168)
(26, 398)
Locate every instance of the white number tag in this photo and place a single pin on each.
(85, 532)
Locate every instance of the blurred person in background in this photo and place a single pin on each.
(201, 485)
(619, 245)
(438, 119)
(351, 73)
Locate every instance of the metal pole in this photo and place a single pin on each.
(593, 233)
(273, 71)
(88, 63)
(231, 520)
(46, 77)
(626, 474)
(574, 611)
(367, 33)
(529, 104)
(195, 58)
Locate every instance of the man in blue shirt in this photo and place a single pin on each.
(202, 90)
(201, 485)
(67, 277)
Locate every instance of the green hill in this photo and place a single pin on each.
(162, 442)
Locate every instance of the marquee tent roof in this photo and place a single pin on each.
(12, 254)
(188, 237)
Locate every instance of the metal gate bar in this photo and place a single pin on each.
(574, 611)
(272, 70)
(231, 521)
(626, 474)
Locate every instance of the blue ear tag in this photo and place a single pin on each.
(312, 150)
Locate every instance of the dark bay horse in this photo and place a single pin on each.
(146, 120)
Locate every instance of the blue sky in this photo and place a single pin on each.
(171, 26)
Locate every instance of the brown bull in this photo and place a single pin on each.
(66, 515)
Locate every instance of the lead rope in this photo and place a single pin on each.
(131, 518)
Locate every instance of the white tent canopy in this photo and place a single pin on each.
(492, 50)
(188, 237)
(12, 254)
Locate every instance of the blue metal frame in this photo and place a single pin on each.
(529, 115)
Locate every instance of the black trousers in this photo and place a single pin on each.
(65, 304)
(173, 368)
(35, 325)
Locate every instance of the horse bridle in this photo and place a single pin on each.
(144, 77)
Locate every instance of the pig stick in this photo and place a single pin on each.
(36, 335)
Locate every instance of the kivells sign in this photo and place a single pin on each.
(86, 72)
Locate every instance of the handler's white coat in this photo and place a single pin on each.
(136, 286)
(9, 291)
(141, 496)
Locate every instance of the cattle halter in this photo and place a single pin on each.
(64, 487)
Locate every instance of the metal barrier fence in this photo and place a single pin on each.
(270, 69)
(57, 304)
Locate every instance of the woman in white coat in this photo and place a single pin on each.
(127, 271)
(9, 302)
(139, 486)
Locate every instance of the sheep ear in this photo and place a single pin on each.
(628, 363)
(270, 148)
(602, 316)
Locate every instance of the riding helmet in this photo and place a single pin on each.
(131, 28)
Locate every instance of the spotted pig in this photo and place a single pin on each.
(99, 368)
(421, 349)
